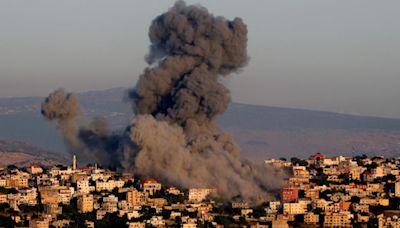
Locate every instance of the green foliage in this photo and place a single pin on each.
(128, 184)
(355, 199)
(112, 220)
(297, 161)
(4, 206)
(11, 167)
(176, 198)
(8, 190)
(322, 179)
(224, 220)
(371, 166)
(27, 208)
(6, 222)
(318, 210)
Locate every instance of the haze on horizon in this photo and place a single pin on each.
(340, 56)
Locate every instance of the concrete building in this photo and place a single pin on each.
(199, 194)
(337, 220)
(136, 198)
(34, 169)
(311, 218)
(151, 186)
(294, 208)
(82, 187)
(289, 195)
(397, 189)
(85, 203)
(38, 223)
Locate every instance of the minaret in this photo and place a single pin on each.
(74, 162)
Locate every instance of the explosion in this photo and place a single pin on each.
(173, 136)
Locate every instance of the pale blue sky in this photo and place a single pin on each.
(341, 56)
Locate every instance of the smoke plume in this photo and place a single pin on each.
(173, 136)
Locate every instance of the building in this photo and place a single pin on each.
(34, 169)
(136, 198)
(110, 204)
(294, 208)
(85, 203)
(82, 187)
(28, 196)
(197, 195)
(151, 186)
(52, 209)
(279, 223)
(311, 218)
(289, 195)
(338, 219)
(108, 185)
(38, 223)
(397, 189)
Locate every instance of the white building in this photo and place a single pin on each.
(108, 185)
(110, 204)
(197, 195)
(28, 196)
(34, 169)
(294, 208)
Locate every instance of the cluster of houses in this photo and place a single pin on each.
(34, 197)
(338, 192)
(319, 192)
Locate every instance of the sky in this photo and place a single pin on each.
(341, 56)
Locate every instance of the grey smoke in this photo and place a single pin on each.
(173, 136)
(92, 141)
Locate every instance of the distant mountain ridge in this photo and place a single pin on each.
(21, 153)
(261, 131)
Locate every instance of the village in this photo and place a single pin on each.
(319, 191)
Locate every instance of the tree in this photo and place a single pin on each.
(297, 161)
(11, 167)
(355, 199)
(8, 190)
(6, 222)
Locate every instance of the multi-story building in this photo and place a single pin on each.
(82, 187)
(311, 218)
(136, 198)
(85, 203)
(289, 195)
(34, 169)
(341, 219)
(110, 204)
(151, 186)
(294, 208)
(108, 185)
(200, 194)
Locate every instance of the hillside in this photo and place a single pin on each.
(21, 154)
(261, 131)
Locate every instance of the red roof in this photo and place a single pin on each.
(318, 155)
(148, 181)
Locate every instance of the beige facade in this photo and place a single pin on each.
(85, 203)
(337, 220)
(200, 194)
(136, 198)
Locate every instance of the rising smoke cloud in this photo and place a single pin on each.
(173, 136)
